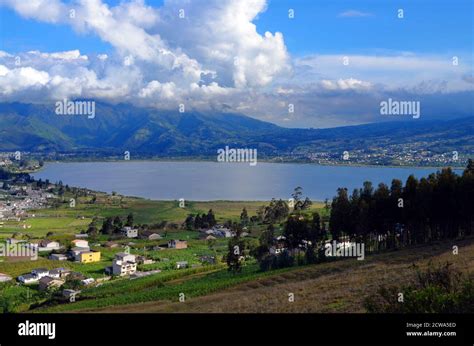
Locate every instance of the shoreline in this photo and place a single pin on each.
(190, 160)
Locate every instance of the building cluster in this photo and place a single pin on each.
(399, 154)
(219, 232)
(17, 200)
(46, 279)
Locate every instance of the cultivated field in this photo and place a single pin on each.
(339, 286)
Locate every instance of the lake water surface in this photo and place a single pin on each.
(205, 181)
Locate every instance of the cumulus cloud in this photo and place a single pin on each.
(50, 11)
(222, 36)
(210, 56)
(182, 49)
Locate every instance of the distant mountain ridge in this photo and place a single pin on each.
(37, 128)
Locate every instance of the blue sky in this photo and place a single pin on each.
(141, 52)
(428, 26)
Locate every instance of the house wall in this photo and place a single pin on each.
(90, 257)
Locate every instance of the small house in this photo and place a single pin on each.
(181, 264)
(144, 260)
(88, 281)
(155, 236)
(177, 244)
(277, 249)
(54, 273)
(81, 235)
(88, 256)
(62, 272)
(130, 232)
(208, 259)
(40, 272)
(28, 279)
(81, 243)
(48, 245)
(58, 257)
(48, 283)
(124, 264)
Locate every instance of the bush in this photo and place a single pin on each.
(439, 289)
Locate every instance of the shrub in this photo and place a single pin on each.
(441, 289)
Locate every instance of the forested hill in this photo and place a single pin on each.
(37, 128)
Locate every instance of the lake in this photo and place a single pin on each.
(206, 181)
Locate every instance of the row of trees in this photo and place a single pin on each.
(438, 207)
(111, 225)
(200, 221)
(302, 234)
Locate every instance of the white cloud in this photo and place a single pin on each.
(67, 55)
(403, 70)
(214, 58)
(22, 78)
(216, 39)
(345, 84)
(50, 11)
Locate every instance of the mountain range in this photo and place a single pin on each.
(115, 128)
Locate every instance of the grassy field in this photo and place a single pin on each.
(67, 220)
(339, 286)
(61, 222)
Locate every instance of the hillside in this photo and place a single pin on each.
(339, 286)
(152, 132)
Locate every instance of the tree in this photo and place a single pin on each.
(299, 204)
(92, 228)
(339, 221)
(244, 217)
(198, 222)
(189, 222)
(117, 224)
(436, 207)
(211, 218)
(470, 167)
(275, 211)
(129, 222)
(296, 195)
(107, 226)
(296, 231)
(235, 251)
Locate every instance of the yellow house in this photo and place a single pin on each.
(89, 256)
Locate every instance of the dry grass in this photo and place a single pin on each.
(332, 287)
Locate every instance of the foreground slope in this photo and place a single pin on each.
(339, 286)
